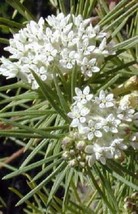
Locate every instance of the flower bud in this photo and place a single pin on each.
(65, 155)
(127, 199)
(72, 162)
(132, 83)
(80, 145)
(66, 141)
(134, 195)
(128, 206)
(82, 164)
(72, 152)
(134, 99)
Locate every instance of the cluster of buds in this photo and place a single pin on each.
(131, 203)
(73, 150)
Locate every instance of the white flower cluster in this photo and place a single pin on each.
(60, 41)
(102, 123)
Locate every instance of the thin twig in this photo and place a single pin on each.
(12, 157)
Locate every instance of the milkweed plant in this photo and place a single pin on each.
(74, 108)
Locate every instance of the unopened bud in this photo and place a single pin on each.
(128, 206)
(72, 152)
(134, 99)
(132, 83)
(82, 164)
(65, 155)
(66, 141)
(80, 145)
(134, 195)
(72, 162)
(127, 199)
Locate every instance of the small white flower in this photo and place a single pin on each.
(111, 124)
(93, 129)
(134, 140)
(78, 114)
(135, 119)
(88, 67)
(67, 59)
(105, 101)
(102, 153)
(125, 113)
(83, 96)
(117, 143)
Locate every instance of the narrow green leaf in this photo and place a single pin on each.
(120, 169)
(21, 9)
(110, 82)
(62, 100)
(69, 176)
(7, 133)
(62, 7)
(43, 183)
(127, 14)
(47, 168)
(22, 170)
(118, 28)
(116, 11)
(25, 96)
(29, 129)
(46, 93)
(27, 202)
(34, 152)
(4, 41)
(10, 23)
(35, 113)
(123, 180)
(91, 7)
(72, 7)
(19, 84)
(127, 43)
(39, 163)
(57, 183)
(107, 187)
(103, 196)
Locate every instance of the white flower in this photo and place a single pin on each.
(111, 124)
(59, 41)
(117, 143)
(78, 114)
(58, 22)
(105, 101)
(8, 68)
(135, 119)
(93, 129)
(117, 146)
(102, 153)
(68, 59)
(100, 125)
(125, 113)
(134, 140)
(83, 96)
(88, 67)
